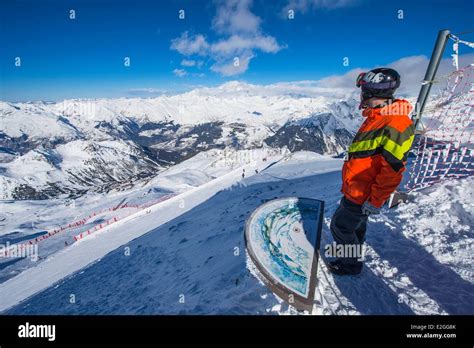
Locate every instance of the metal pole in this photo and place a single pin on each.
(430, 74)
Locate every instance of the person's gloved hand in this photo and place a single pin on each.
(369, 209)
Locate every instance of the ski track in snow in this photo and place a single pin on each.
(418, 257)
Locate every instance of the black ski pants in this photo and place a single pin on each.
(348, 226)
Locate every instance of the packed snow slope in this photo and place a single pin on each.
(419, 257)
(24, 221)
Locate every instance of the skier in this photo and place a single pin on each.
(243, 174)
(374, 165)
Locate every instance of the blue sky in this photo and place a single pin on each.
(84, 57)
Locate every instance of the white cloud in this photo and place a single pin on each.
(346, 80)
(228, 68)
(237, 44)
(242, 38)
(235, 17)
(311, 5)
(180, 72)
(192, 63)
(187, 46)
(188, 62)
(411, 69)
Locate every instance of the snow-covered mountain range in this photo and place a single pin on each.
(70, 147)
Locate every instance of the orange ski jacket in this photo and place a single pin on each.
(377, 156)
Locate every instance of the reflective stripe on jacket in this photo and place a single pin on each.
(378, 153)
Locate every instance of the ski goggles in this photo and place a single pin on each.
(366, 79)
